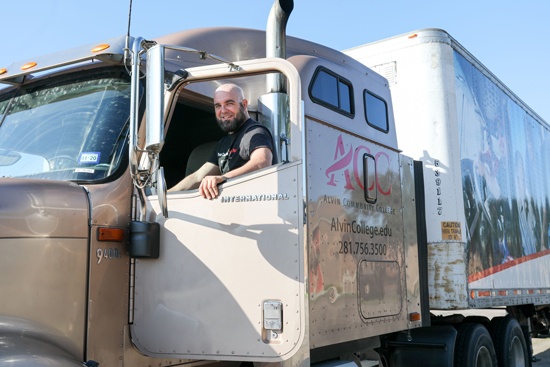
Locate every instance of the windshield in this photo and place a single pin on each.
(67, 131)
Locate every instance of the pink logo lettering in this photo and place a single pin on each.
(343, 160)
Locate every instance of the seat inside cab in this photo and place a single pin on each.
(190, 139)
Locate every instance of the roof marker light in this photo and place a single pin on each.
(100, 48)
(28, 66)
(413, 35)
(2, 71)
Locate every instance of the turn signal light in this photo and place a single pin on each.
(28, 66)
(473, 294)
(100, 48)
(2, 71)
(110, 234)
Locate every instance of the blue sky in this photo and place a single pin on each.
(511, 38)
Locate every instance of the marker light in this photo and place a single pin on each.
(2, 71)
(28, 66)
(100, 48)
(111, 234)
(473, 294)
(413, 35)
(415, 316)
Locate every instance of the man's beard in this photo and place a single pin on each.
(230, 126)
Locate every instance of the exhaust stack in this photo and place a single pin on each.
(274, 106)
(275, 41)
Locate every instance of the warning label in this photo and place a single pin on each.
(451, 231)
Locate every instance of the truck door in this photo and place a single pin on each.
(229, 281)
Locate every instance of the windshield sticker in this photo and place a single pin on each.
(85, 170)
(89, 157)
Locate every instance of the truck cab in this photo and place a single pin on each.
(304, 261)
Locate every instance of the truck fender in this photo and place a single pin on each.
(427, 347)
(28, 344)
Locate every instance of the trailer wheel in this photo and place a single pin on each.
(474, 347)
(509, 341)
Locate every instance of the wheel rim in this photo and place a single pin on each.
(483, 358)
(516, 353)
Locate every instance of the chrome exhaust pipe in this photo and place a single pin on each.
(275, 41)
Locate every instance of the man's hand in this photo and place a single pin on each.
(209, 186)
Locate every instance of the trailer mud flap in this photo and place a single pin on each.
(229, 280)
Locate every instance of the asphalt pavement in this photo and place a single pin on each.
(541, 351)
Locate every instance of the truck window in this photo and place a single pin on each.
(3, 105)
(71, 130)
(332, 91)
(376, 111)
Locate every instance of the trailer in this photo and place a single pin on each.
(327, 258)
(485, 154)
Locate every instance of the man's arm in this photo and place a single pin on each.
(259, 158)
(193, 180)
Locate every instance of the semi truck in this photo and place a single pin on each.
(335, 256)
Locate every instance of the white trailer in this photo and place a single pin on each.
(485, 155)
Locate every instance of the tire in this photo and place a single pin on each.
(474, 347)
(510, 345)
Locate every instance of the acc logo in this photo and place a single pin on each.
(343, 160)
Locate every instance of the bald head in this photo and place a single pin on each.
(230, 106)
(233, 89)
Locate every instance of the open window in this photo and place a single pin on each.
(192, 131)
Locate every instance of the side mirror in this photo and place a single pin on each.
(155, 99)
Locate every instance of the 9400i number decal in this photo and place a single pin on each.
(108, 253)
(362, 248)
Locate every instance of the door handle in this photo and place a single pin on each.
(369, 199)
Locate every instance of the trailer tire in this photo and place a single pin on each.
(510, 345)
(474, 347)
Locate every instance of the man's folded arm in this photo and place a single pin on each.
(193, 180)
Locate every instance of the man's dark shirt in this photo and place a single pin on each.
(233, 151)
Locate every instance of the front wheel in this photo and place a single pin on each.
(509, 341)
(474, 347)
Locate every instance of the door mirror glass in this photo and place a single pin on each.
(161, 192)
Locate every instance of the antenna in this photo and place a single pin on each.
(126, 49)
